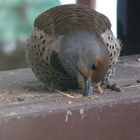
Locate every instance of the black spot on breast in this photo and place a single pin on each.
(43, 48)
(110, 46)
(40, 53)
(44, 41)
(113, 63)
(34, 45)
(111, 55)
(46, 57)
(41, 36)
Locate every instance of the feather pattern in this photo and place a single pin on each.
(62, 19)
(51, 27)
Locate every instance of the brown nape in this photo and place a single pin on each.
(100, 72)
(98, 87)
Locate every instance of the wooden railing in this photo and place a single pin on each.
(29, 112)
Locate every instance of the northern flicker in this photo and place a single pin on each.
(72, 46)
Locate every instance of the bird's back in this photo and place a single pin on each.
(62, 19)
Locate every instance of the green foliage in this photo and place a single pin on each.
(15, 59)
(16, 23)
(17, 16)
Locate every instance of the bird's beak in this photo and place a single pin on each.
(88, 87)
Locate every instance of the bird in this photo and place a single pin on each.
(72, 47)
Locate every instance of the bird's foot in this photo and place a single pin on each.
(99, 88)
(113, 87)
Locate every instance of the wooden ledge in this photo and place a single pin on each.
(28, 112)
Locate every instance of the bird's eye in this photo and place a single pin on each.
(94, 67)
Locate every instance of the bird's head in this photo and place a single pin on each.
(93, 64)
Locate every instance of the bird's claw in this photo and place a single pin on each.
(99, 88)
(113, 87)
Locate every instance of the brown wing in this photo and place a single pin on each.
(62, 19)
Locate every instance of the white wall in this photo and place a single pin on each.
(109, 8)
(68, 1)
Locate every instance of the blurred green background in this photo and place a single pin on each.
(16, 24)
